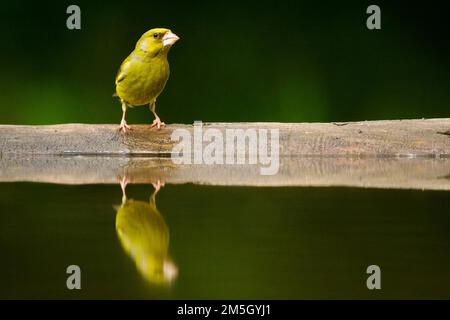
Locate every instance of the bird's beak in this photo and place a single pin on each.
(169, 39)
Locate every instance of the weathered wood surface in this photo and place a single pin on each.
(368, 138)
(407, 154)
(402, 173)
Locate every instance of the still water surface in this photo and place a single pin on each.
(196, 242)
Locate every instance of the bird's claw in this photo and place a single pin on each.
(124, 127)
(123, 185)
(123, 182)
(158, 123)
(158, 185)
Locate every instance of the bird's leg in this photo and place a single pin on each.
(157, 187)
(123, 124)
(157, 122)
(123, 185)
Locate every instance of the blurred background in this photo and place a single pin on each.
(289, 61)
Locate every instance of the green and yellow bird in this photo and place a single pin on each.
(144, 73)
(144, 235)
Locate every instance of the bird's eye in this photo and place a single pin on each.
(155, 35)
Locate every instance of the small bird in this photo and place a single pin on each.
(143, 74)
(144, 235)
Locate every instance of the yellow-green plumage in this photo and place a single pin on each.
(144, 73)
(141, 82)
(145, 237)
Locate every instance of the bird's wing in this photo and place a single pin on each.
(121, 74)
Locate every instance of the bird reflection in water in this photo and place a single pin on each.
(144, 235)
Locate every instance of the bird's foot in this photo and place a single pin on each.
(123, 185)
(124, 127)
(158, 185)
(123, 182)
(158, 123)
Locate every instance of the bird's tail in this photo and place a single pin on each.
(115, 95)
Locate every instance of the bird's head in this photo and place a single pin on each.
(156, 40)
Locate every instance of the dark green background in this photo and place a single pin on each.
(237, 61)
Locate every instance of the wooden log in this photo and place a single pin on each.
(410, 138)
(400, 173)
(407, 154)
